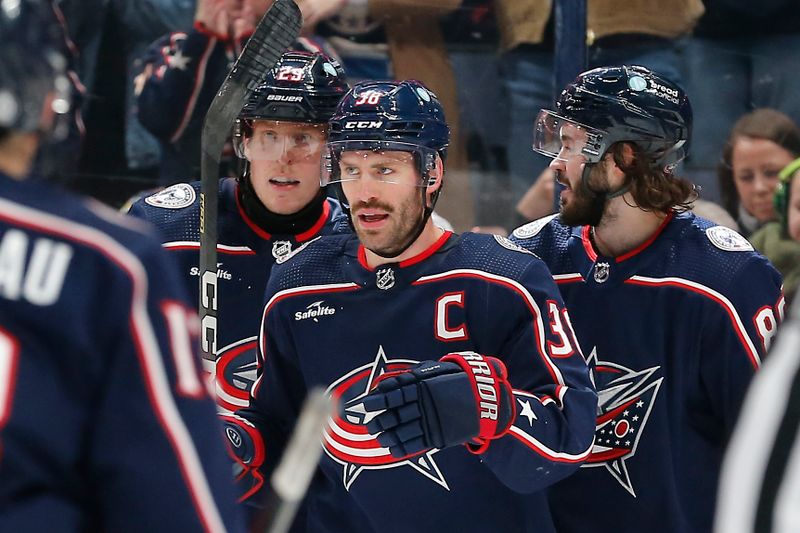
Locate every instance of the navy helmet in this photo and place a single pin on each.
(389, 115)
(33, 64)
(620, 104)
(302, 87)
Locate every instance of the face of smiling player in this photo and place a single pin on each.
(284, 163)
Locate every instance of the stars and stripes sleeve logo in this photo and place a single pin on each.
(625, 400)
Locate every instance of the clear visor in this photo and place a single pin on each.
(383, 161)
(561, 138)
(273, 140)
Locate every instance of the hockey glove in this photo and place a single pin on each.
(465, 398)
(246, 448)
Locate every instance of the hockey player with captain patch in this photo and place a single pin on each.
(674, 312)
(462, 391)
(274, 208)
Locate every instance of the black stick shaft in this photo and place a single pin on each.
(276, 32)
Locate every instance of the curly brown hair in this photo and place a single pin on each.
(652, 187)
(763, 123)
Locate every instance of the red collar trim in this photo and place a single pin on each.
(300, 237)
(587, 243)
(432, 249)
(649, 241)
(326, 210)
(592, 253)
(253, 226)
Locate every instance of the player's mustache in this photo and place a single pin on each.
(372, 204)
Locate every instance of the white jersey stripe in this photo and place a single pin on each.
(195, 244)
(713, 295)
(541, 449)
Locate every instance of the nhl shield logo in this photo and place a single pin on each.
(384, 278)
(601, 272)
(281, 250)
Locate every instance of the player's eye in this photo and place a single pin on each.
(746, 178)
(771, 172)
(385, 171)
(350, 171)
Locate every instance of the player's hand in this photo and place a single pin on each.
(465, 398)
(214, 15)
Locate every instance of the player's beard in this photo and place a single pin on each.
(586, 207)
(393, 239)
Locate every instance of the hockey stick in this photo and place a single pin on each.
(291, 478)
(279, 27)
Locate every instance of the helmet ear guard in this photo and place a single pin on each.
(782, 193)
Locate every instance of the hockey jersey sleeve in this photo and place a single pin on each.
(556, 402)
(738, 328)
(158, 449)
(179, 77)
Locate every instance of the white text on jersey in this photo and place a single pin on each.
(40, 280)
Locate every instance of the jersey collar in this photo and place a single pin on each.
(588, 246)
(299, 237)
(432, 249)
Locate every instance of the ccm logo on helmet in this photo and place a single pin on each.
(363, 124)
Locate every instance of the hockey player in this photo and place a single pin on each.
(462, 390)
(674, 312)
(105, 424)
(265, 214)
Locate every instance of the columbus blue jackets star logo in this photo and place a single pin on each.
(625, 398)
(236, 373)
(347, 440)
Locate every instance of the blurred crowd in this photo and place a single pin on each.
(146, 71)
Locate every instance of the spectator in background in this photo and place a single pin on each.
(744, 55)
(760, 144)
(181, 73)
(472, 39)
(642, 32)
(780, 240)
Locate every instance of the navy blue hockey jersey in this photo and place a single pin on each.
(674, 331)
(246, 254)
(332, 321)
(105, 422)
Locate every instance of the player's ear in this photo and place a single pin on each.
(435, 175)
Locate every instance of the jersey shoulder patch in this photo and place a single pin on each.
(505, 243)
(728, 240)
(531, 229)
(174, 197)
